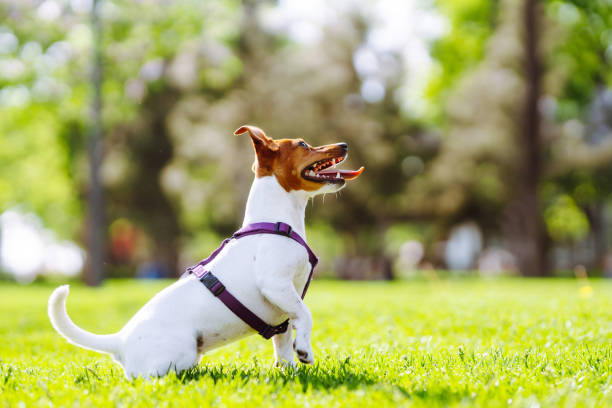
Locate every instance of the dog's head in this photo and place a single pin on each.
(297, 165)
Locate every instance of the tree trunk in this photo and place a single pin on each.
(96, 235)
(530, 239)
(141, 197)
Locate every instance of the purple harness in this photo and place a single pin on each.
(220, 291)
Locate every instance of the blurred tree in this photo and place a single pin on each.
(505, 122)
(36, 166)
(180, 57)
(96, 235)
(471, 23)
(292, 91)
(488, 169)
(482, 115)
(582, 149)
(473, 176)
(529, 241)
(49, 47)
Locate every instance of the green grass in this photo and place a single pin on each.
(448, 343)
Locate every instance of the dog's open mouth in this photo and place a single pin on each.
(324, 171)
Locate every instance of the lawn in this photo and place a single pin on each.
(440, 343)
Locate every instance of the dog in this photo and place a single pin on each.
(265, 271)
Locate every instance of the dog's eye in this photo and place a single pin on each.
(303, 144)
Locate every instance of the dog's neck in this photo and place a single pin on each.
(269, 202)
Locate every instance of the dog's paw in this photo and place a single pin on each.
(284, 364)
(303, 355)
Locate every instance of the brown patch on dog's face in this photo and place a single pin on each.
(296, 165)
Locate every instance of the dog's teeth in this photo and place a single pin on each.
(337, 175)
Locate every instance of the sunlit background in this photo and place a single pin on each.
(485, 127)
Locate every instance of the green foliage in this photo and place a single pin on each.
(34, 168)
(180, 76)
(565, 221)
(137, 33)
(581, 57)
(451, 343)
(42, 133)
(398, 234)
(583, 51)
(470, 25)
(326, 243)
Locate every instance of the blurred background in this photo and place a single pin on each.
(485, 127)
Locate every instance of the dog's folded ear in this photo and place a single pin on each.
(265, 149)
(258, 136)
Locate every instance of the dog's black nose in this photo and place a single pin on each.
(343, 145)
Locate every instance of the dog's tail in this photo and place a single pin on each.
(74, 334)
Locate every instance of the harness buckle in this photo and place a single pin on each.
(270, 331)
(278, 228)
(281, 328)
(212, 283)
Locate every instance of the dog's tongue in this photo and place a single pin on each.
(345, 174)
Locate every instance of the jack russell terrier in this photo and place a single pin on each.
(257, 278)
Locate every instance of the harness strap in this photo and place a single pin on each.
(219, 290)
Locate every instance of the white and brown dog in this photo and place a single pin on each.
(266, 272)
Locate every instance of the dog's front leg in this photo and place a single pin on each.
(283, 350)
(283, 295)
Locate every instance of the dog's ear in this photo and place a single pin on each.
(265, 150)
(258, 137)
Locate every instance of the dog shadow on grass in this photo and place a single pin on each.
(319, 376)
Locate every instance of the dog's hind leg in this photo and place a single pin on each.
(153, 354)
